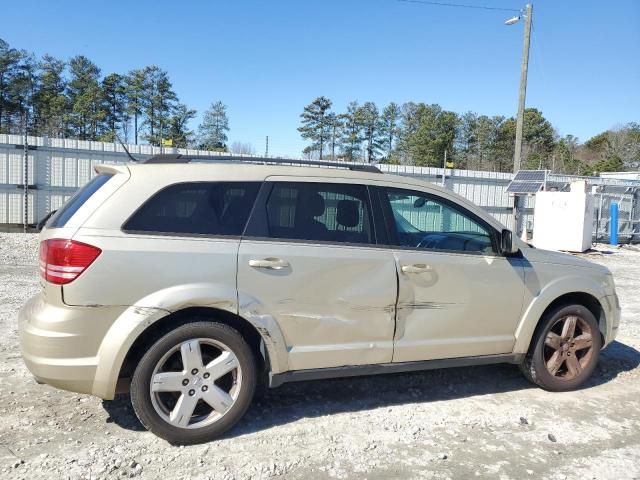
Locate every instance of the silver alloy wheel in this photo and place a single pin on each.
(195, 383)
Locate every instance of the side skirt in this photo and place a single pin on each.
(275, 380)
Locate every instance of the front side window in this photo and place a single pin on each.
(205, 208)
(427, 222)
(320, 211)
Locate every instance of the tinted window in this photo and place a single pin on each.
(320, 211)
(208, 208)
(68, 210)
(424, 221)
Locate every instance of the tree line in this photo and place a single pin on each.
(427, 135)
(72, 99)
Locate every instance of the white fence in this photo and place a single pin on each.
(57, 167)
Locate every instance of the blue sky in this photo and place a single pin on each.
(266, 60)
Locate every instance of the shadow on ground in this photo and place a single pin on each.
(294, 401)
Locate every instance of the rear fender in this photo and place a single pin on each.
(136, 319)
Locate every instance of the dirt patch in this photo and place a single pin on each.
(457, 423)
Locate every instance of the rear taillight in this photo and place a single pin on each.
(62, 261)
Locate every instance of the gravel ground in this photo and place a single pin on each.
(456, 423)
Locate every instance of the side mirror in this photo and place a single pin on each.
(507, 246)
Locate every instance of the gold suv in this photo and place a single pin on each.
(186, 283)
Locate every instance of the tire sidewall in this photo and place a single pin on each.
(140, 385)
(543, 377)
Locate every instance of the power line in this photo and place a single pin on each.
(459, 5)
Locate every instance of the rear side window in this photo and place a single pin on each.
(320, 211)
(201, 208)
(69, 209)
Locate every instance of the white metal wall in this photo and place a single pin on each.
(57, 167)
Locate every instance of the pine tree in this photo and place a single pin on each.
(115, 105)
(389, 129)
(158, 101)
(50, 102)
(178, 130)
(315, 123)
(335, 126)
(85, 98)
(351, 132)
(213, 130)
(371, 130)
(10, 59)
(135, 82)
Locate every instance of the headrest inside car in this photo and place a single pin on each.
(348, 214)
(316, 204)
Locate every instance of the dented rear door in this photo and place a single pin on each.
(333, 296)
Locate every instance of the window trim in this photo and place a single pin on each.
(185, 234)
(390, 223)
(257, 228)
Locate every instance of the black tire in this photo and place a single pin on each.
(534, 366)
(141, 382)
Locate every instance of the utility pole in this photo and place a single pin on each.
(523, 87)
(266, 147)
(518, 217)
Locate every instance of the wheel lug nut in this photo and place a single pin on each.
(194, 371)
(192, 392)
(185, 382)
(205, 388)
(206, 375)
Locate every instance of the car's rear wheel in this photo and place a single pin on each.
(194, 383)
(564, 350)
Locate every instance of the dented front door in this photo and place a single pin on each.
(333, 303)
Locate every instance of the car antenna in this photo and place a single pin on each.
(126, 150)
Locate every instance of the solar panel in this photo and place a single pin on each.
(527, 182)
(530, 176)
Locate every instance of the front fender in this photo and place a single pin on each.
(542, 298)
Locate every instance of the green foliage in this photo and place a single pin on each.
(63, 99)
(134, 88)
(434, 133)
(352, 134)
(214, 127)
(178, 130)
(389, 130)
(370, 121)
(49, 101)
(158, 101)
(114, 93)
(316, 124)
(85, 98)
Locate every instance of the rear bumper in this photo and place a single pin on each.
(60, 344)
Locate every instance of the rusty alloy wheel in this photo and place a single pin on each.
(568, 347)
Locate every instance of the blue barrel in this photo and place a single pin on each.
(613, 224)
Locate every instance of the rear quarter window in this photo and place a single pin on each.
(197, 208)
(68, 210)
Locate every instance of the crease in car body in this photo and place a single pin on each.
(336, 291)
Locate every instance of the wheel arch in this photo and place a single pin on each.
(189, 315)
(527, 328)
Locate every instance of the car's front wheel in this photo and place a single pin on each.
(194, 383)
(564, 350)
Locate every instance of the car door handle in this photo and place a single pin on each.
(416, 268)
(270, 263)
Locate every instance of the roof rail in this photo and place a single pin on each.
(180, 158)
